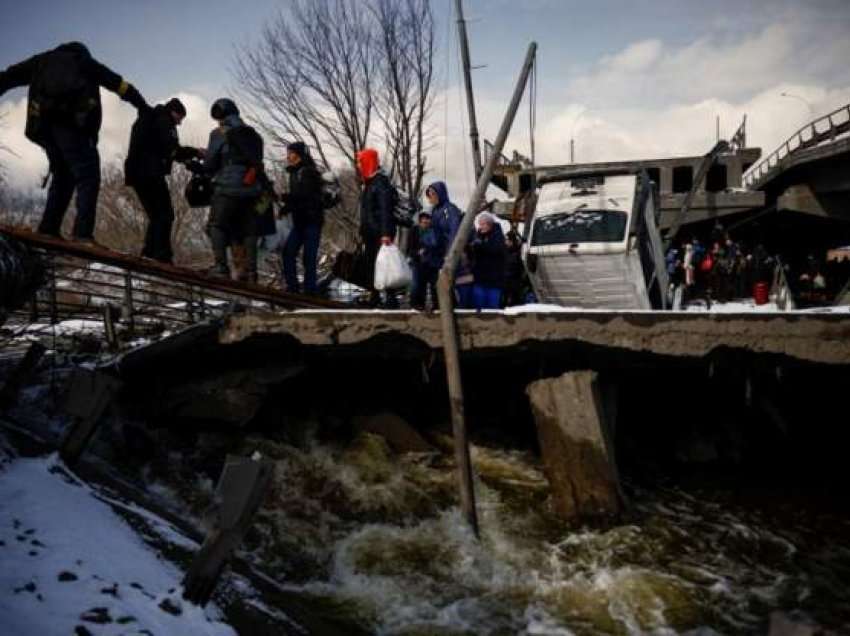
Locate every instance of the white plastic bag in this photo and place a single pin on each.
(276, 241)
(391, 269)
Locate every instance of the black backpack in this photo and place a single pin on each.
(61, 85)
(405, 207)
(247, 144)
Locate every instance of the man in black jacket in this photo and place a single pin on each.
(304, 203)
(154, 146)
(378, 224)
(64, 116)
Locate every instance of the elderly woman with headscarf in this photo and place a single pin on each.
(488, 251)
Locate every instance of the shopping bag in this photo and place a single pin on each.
(391, 269)
(276, 241)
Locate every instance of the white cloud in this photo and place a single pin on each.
(27, 164)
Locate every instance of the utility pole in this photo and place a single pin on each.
(572, 150)
(467, 80)
(445, 292)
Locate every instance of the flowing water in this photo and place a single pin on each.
(376, 539)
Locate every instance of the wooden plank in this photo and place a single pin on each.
(140, 265)
(241, 489)
(89, 395)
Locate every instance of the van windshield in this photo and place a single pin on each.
(582, 226)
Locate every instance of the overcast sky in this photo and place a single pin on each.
(626, 78)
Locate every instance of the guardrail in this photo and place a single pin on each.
(825, 128)
(76, 289)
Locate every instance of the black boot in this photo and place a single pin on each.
(219, 245)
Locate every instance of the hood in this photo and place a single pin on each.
(368, 163)
(442, 192)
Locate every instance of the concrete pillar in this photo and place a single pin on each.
(577, 446)
(666, 178)
(734, 171)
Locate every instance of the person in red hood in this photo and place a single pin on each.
(377, 215)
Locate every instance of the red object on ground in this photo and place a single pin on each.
(760, 293)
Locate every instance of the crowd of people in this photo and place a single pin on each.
(723, 269)
(64, 117)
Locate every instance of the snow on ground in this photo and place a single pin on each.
(68, 327)
(70, 565)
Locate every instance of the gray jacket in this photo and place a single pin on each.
(227, 176)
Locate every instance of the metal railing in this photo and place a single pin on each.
(826, 128)
(79, 289)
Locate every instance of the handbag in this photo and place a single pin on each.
(353, 267)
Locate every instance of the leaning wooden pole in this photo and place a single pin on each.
(445, 293)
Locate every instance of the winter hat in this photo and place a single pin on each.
(485, 216)
(176, 106)
(368, 163)
(298, 147)
(302, 150)
(223, 108)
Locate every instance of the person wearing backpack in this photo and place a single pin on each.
(304, 203)
(154, 147)
(64, 116)
(234, 159)
(378, 223)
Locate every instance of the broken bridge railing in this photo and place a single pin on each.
(826, 128)
(78, 289)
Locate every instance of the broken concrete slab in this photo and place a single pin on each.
(821, 338)
(576, 446)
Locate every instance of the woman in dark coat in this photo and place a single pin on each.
(489, 253)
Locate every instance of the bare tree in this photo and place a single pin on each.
(405, 29)
(311, 74)
(341, 74)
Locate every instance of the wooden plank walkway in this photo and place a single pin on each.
(173, 273)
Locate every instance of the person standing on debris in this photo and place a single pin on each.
(234, 159)
(377, 219)
(304, 203)
(64, 115)
(426, 260)
(154, 146)
(488, 251)
(446, 218)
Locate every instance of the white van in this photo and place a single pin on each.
(593, 243)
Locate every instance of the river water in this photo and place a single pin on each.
(376, 540)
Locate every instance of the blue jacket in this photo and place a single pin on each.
(227, 173)
(424, 248)
(445, 218)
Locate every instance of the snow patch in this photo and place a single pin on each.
(67, 559)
